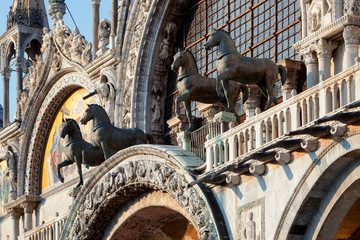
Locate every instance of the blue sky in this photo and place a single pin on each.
(81, 10)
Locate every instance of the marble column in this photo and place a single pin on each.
(19, 72)
(312, 74)
(324, 50)
(114, 17)
(351, 36)
(15, 215)
(96, 16)
(28, 212)
(6, 79)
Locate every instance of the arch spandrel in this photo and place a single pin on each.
(46, 112)
(133, 171)
(327, 164)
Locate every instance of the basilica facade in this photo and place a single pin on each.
(291, 171)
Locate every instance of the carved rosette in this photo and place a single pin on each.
(129, 179)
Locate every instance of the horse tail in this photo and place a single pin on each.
(245, 92)
(283, 73)
(150, 138)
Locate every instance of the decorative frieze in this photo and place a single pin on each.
(124, 182)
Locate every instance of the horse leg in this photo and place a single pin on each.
(61, 165)
(106, 150)
(227, 95)
(78, 164)
(270, 92)
(182, 98)
(224, 78)
(188, 114)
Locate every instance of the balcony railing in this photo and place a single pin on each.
(46, 231)
(298, 111)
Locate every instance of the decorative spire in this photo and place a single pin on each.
(27, 12)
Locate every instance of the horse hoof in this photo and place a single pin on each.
(79, 185)
(87, 166)
(62, 179)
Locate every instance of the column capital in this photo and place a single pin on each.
(14, 212)
(309, 56)
(324, 48)
(351, 34)
(28, 206)
(94, 2)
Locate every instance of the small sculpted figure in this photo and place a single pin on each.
(231, 65)
(11, 172)
(107, 94)
(250, 228)
(74, 149)
(194, 87)
(107, 137)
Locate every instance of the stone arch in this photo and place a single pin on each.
(147, 83)
(140, 169)
(336, 161)
(58, 92)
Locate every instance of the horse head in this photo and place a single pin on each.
(87, 115)
(68, 126)
(213, 40)
(178, 59)
(94, 112)
(184, 58)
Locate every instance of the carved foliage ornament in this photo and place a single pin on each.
(126, 181)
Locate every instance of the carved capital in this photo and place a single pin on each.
(351, 34)
(324, 48)
(28, 206)
(308, 56)
(93, 2)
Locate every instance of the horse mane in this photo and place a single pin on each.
(227, 33)
(193, 58)
(73, 120)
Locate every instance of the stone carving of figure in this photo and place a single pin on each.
(156, 107)
(107, 94)
(165, 46)
(250, 228)
(11, 171)
(104, 35)
(46, 40)
(76, 44)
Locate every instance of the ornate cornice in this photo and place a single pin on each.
(328, 31)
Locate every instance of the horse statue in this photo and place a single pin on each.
(107, 137)
(231, 65)
(74, 149)
(194, 87)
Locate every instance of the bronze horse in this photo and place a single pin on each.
(194, 87)
(231, 65)
(74, 149)
(107, 137)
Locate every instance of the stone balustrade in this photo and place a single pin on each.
(293, 113)
(46, 231)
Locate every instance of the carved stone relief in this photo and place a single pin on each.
(124, 182)
(139, 26)
(251, 221)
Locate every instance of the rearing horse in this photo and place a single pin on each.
(74, 149)
(194, 87)
(107, 137)
(231, 65)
